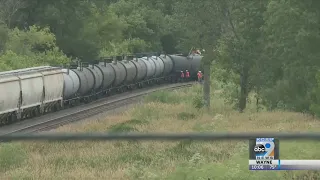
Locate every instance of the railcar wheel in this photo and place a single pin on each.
(6, 120)
(36, 112)
(13, 117)
(76, 102)
(86, 100)
(55, 107)
(25, 115)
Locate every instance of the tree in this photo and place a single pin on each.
(240, 46)
(8, 10)
(292, 36)
(30, 48)
(200, 26)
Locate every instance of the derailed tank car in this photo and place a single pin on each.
(180, 63)
(195, 65)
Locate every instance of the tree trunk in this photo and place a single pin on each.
(206, 85)
(243, 91)
(257, 104)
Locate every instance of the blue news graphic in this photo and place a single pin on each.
(264, 148)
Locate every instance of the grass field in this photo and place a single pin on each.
(185, 160)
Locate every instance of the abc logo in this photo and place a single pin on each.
(259, 148)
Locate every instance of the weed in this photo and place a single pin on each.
(163, 97)
(186, 116)
(134, 157)
(11, 156)
(146, 112)
(137, 121)
(198, 102)
(123, 127)
(156, 160)
(127, 126)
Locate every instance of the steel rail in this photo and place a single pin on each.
(89, 111)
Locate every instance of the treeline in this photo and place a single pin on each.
(265, 47)
(36, 32)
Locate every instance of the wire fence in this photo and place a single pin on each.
(156, 136)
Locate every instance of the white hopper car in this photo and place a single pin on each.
(30, 92)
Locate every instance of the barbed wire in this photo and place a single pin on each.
(156, 136)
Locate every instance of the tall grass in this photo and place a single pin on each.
(174, 111)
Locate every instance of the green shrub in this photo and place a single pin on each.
(198, 102)
(163, 97)
(186, 116)
(123, 127)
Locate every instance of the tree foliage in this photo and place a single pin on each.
(265, 47)
(270, 48)
(32, 47)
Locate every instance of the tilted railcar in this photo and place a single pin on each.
(195, 65)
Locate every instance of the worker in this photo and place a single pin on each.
(187, 74)
(182, 76)
(199, 76)
(198, 52)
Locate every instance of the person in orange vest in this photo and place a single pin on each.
(199, 76)
(187, 74)
(182, 75)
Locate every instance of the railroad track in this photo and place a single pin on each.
(89, 111)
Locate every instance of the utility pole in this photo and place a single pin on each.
(206, 84)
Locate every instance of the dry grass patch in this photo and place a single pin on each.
(162, 112)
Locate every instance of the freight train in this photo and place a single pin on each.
(31, 92)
